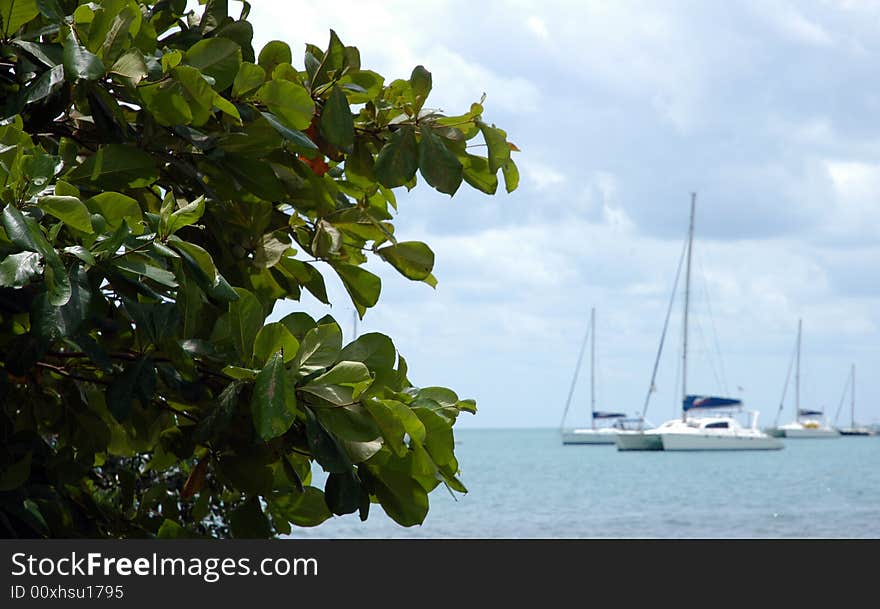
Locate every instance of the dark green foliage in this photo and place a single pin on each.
(163, 185)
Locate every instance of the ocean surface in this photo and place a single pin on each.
(525, 484)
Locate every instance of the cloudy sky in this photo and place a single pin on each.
(768, 110)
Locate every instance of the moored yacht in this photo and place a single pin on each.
(807, 423)
(691, 432)
(721, 432)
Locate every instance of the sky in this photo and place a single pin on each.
(767, 110)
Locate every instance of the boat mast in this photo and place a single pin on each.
(575, 377)
(852, 403)
(687, 294)
(797, 377)
(593, 366)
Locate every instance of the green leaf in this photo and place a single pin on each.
(142, 266)
(19, 232)
(289, 101)
(199, 257)
(362, 285)
(496, 142)
(170, 529)
(343, 372)
(272, 338)
(49, 55)
(440, 168)
(398, 160)
(336, 123)
(413, 259)
(249, 78)
(319, 348)
(352, 422)
(69, 210)
(17, 270)
(219, 58)
(420, 84)
(15, 473)
(298, 138)
(79, 62)
(305, 509)
(26, 234)
(116, 207)
(511, 175)
(249, 522)
(391, 427)
(198, 93)
(443, 396)
(138, 381)
(219, 418)
(275, 53)
(245, 319)
(411, 423)
(342, 493)
(361, 86)
(16, 13)
(324, 447)
(47, 84)
(116, 167)
(186, 215)
(438, 438)
(273, 407)
(478, 175)
(51, 10)
(132, 66)
(402, 497)
(306, 275)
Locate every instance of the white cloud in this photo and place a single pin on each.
(541, 176)
(791, 23)
(855, 212)
(537, 27)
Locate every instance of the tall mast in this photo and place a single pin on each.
(852, 403)
(797, 377)
(354, 325)
(593, 365)
(687, 295)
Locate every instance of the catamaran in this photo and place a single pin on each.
(697, 432)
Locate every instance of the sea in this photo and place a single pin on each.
(525, 484)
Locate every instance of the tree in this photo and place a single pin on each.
(163, 186)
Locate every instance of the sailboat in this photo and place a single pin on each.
(853, 429)
(594, 434)
(808, 423)
(692, 432)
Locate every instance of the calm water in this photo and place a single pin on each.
(526, 484)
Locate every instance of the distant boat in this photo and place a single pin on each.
(594, 434)
(693, 433)
(808, 423)
(853, 429)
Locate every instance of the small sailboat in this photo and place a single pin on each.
(853, 429)
(808, 423)
(697, 432)
(595, 434)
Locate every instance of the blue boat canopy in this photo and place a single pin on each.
(803, 412)
(598, 414)
(709, 401)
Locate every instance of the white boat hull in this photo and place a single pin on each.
(589, 436)
(704, 441)
(811, 433)
(638, 441)
(809, 429)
